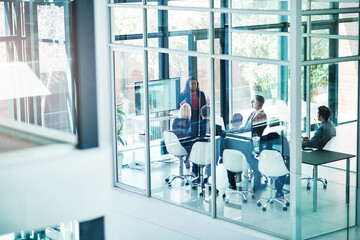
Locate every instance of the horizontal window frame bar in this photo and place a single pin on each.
(331, 36)
(256, 32)
(202, 9)
(330, 60)
(330, 11)
(336, 1)
(127, 48)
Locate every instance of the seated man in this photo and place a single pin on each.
(200, 130)
(256, 123)
(236, 122)
(324, 133)
(257, 120)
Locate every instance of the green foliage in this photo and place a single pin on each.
(120, 122)
(319, 79)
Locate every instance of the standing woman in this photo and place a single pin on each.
(194, 97)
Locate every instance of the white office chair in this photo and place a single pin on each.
(174, 147)
(329, 146)
(282, 111)
(272, 165)
(235, 161)
(201, 155)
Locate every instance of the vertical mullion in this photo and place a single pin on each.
(70, 103)
(308, 73)
(146, 106)
(212, 107)
(357, 189)
(295, 118)
(231, 93)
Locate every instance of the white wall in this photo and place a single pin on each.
(44, 186)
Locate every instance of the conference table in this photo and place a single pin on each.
(319, 157)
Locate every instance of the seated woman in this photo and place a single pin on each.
(181, 128)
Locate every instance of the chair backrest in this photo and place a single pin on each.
(173, 146)
(234, 160)
(271, 164)
(274, 141)
(331, 144)
(200, 153)
(282, 111)
(220, 121)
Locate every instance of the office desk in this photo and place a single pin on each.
(319, 157)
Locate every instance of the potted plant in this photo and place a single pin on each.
(120, 122)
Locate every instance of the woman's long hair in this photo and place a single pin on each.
(187, 88)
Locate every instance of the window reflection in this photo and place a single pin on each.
(40, 40)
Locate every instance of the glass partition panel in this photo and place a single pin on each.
(265, 22)
(265, 35)
(127, 26)
(328, 157)
(257, 134)
(180, 130)
(333, 85)
(319, 4)
(347, 98)
(259, 45)
(180, 30)
(325, 209)
(130, 119)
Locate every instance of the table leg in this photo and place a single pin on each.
(347, 180)
(315, 173)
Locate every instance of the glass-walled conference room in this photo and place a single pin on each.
(211, 99)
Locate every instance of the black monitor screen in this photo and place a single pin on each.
(163, 95)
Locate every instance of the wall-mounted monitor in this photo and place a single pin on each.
(163, 95)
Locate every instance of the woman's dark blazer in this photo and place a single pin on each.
(195, 115)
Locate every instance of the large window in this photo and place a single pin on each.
(238, 54)
(35, 42)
